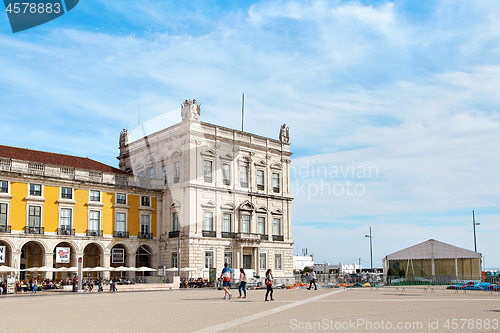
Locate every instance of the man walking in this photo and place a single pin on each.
(226, 276)
(312, 275)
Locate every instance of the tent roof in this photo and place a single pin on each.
(432, 249)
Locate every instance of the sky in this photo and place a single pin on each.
(393, 106)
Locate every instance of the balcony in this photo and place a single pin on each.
(248, 236)
(65, 232)
(264, 237)
(94, 233)
(226, 234)
(5, 229)
(145, 235)
(173, 234)
(120, 234)
(34, 230)
(278, 238)
(206, 233)
(276, 189)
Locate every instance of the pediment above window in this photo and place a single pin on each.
(208, 204)
(277, 212)
(248, 206)
(176, 152)
(227, 157)
(262, 210)
(262, 163)
(276, 166)
(228, 206)
(208, 153)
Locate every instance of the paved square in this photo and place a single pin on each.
(359, 310)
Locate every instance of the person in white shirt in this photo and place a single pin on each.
(243, 283)
(312, 276)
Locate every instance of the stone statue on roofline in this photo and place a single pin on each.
(190, 109)
(284, 134)
(124, 138)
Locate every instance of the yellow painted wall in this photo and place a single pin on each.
(134, 222)
(80, 219)
(50, 208)
(18, 205)
(107, 219)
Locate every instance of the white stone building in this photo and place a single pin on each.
(226, 194)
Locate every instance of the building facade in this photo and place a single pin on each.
(225, 194)
(51, 201)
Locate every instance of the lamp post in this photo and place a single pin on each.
(474, 227)
(371, 249)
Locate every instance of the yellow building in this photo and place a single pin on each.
(52, 202)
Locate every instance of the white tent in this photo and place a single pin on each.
(435, 258)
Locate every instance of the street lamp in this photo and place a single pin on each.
(371, 256)
(474, 227)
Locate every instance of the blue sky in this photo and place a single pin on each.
(407, 87)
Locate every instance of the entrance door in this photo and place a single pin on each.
(247, 261)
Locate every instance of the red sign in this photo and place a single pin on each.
(80, 259)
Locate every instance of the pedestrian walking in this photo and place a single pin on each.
(269, 283)
(312, 276)
(114, 284)
(226, 276)
(34, 286)
(243, 283)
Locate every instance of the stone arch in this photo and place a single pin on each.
(93, 254)
(144, 256)
(9, 246)
(40, 242)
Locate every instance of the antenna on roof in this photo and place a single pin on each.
(242, 110)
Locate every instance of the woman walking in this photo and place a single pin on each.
(243, 283)
(269, 283)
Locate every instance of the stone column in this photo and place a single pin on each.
(15, 261)
(49, 262)
(106, 262)
(130, 262)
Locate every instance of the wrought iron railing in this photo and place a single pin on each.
(5, 228)
(173, 234)
(207, 233)
(145, 235)
(34, 230)
(65, 232)
(278, 238)
(120, 234)
(94, 233)
(228, 234)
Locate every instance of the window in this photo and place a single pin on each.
(4, 186)
(121, 222)
(141, 174)
(208, 221)
(177, 172)
(262, 261)
(121, 198)
(164, 173)
(36, 190)
(244, 176)
(260, 180)
(145, 201)
(246, 223)
(261, 225)
(66, 193)
(95, 196)
(207, 171)
(277, 227)
(175, 221)
(35, 216)
(277, 262)
(226, 222)
(152, 173)
(65, 219)
(209, 259)
(276, 182)
(3, 215)
(228, 259)
(145, 224)
(174, 261)
(94, 220)
(226, 174)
